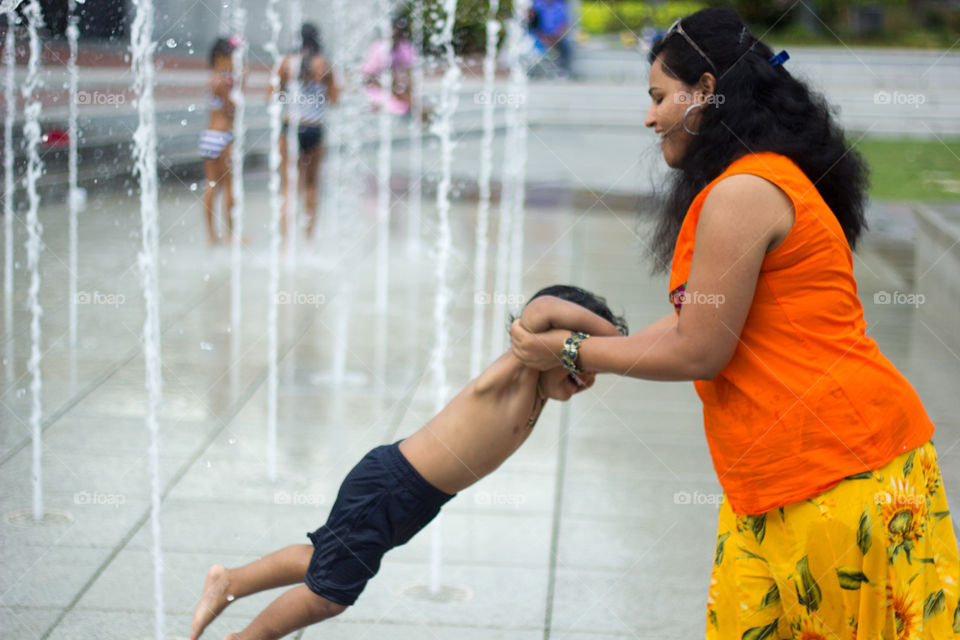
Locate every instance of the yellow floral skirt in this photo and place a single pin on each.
(874, 557)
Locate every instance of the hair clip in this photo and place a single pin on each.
(780, 58)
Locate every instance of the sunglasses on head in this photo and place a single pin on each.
(676, 27)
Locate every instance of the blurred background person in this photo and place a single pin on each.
(215, 140)
(318, 89)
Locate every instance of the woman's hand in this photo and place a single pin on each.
(539, 351)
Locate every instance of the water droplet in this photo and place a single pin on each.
(206, 277)
(232, 441)
(230, 597)
(21, 393)
(192, 108)
(206, 463)
(171, 43)
(183, 123)
(193, 186)
(206, 346)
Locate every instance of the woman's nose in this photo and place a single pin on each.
(650, 120)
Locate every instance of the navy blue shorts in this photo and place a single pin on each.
(382, 503)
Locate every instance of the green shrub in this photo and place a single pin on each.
(597, 17)
(634, 15)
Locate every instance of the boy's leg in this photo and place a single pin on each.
(278, 569)
(294, 609)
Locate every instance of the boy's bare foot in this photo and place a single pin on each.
(214, 600)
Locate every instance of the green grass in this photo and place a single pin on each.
(913, 169)
(913, 38)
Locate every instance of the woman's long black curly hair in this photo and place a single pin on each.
(758, 107)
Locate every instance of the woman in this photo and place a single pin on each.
(834, 522)
(317, 88)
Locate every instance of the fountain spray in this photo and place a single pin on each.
(31, 132)
(443, 127)
(145, 164)
(483, 208)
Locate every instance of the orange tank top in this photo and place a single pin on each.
(807, 398)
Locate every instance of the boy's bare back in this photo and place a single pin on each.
(480, 428)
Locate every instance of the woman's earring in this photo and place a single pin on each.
(684, 121)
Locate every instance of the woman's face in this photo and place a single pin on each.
(670, 99)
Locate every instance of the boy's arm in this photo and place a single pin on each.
(505, 372)
(549, 312)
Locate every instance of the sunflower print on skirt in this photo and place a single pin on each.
(872, 558)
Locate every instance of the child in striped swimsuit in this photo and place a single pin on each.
(215, 140)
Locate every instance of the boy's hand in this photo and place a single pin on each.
(540, 351)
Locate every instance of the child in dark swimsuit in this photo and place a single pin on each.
(215, 140)
(395, 490)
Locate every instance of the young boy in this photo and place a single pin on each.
(395, 490)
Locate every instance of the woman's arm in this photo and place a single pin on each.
(549, 312)
(743, 217)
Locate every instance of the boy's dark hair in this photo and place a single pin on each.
(585, 299)
(221, 47)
